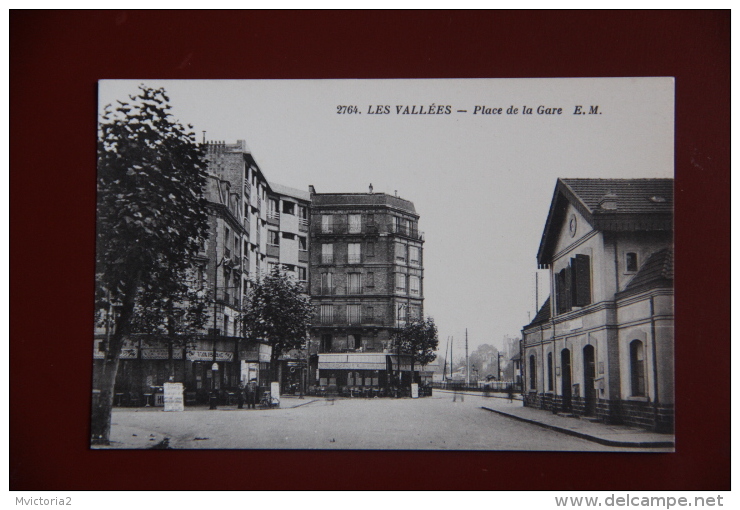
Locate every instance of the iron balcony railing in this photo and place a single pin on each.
(354, 258)
(327, 258)
(367, 229)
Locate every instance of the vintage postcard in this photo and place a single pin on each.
(467, 264)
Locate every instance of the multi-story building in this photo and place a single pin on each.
(366, 281)
(602, 344)
(252, 226)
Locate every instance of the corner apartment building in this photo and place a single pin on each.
(253, 225)
(602, 343)
(366, 281)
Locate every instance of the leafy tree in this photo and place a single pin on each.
(419, 339)
(279, 312)
(152, 220)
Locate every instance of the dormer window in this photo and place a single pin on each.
(630, 262)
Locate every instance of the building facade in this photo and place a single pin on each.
(253, 225)
(366, 281)
(602, 343)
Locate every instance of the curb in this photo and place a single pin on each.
(581, 435)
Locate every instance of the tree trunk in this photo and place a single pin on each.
(100, 420)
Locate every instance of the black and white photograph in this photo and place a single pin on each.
(407, 264)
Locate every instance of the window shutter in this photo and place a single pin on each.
(582, 280)
(568, 280)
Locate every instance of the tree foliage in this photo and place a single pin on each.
(151, 222)
(278, 312)
(419, 339)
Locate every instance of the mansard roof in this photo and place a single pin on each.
(609, 205)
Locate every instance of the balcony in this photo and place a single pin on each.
(273, 217)
(353, 289)
(303, 224)
(273, 250)
(302, 255)
(354, 258)
(407, 231)
(227, 253)
(327, 258)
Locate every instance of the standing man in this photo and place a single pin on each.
(252, 394)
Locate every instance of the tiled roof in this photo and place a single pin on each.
(632, 196)
(609, 205)
(543, 315)
(657, 271)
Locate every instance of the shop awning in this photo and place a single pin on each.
(352, 361)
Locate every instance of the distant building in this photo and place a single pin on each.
(602, 344)
(366, 281)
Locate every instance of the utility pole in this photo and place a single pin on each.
(467, 359)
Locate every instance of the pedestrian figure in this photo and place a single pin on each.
(240, 396)
(510, 391)
(252, 394)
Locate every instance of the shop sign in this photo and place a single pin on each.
(131, 353)
(155, 354)
(208, 356)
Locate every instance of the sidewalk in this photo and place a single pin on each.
(605, 434)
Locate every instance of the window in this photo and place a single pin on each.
(327, 314)
(549, 371)
(371, 219)
(353, 283)
(272, 209)
(414, 312)
(273, 237)
(637, 368)
(237, 242)
(573, 284)
(400, 252)
(354, 342)
(369, 314)
(326, 283)
(302, 212)
(302, 243)
(355, 223)
(288, 235)
(226, 325)
(227, 237)
(631, 262)
(415, 285)
(326, 342)
(414, 254)
(353, 253)
(327, 253)
(401, 314)
(370, 249)
(400, 282)
(288, 208)
(353, 314)
(370, 279)
(532, 377)
(326, 223)
(302, 273)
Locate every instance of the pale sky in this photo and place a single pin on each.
(482, 184)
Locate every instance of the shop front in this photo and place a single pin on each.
(361, 375)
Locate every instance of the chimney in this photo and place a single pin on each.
(311, 189)
(608, 202)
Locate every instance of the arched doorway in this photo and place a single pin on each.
(589, 374)
(566, 379)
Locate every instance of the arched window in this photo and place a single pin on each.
(549, 371)
(532, 368)
(637, 368)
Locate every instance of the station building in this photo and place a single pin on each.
(602, 344)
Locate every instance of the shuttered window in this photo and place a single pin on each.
(355, 223)
(573, 284)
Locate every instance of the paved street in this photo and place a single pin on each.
(435, 423)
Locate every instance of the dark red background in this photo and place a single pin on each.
(56, 59)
